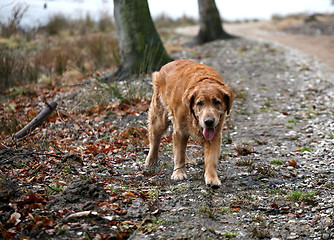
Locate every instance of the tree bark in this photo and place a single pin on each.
(141, 49)
(210, 24)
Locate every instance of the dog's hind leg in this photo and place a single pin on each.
(157, 125)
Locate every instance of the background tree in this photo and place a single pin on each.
(210, 24)
(141, 49)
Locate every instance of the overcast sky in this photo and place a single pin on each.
(242, 9)
(229, 9)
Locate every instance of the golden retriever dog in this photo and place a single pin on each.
(196, 100)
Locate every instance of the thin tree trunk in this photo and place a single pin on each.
(141, 48)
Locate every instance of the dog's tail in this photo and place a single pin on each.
(155, 77)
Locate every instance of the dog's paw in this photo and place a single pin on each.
(150, 162)
(179, 174)
(213, 182)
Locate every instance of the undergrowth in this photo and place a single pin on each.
(49, 52)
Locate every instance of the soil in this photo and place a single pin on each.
(276, 166)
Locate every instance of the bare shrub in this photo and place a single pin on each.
(12, 25)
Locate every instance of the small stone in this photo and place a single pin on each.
(325, 236)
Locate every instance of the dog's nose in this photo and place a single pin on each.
(209, 122)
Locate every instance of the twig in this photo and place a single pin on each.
(55, 190)
(31, 153)
(43, 115)
(9, 148)
(37, 153)
(45, 154)
(194, 146)
(7, 160)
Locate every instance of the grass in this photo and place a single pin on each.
(275, 191)
(265, 170)
(176, 188)
(230, 235)
(207, 211)
(276, 162)
(245, 162)
(331, 135)
(293, 121)
(302, 196)
(244, 149)
(225, 210)
(306, 149)
(55, 188)
(264, 109)
(241, 95)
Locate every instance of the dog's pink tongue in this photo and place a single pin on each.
(209, 133)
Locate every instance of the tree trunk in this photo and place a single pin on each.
(141, 49)
(210, 24)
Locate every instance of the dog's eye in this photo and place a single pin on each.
(199, 103)
(216, 102)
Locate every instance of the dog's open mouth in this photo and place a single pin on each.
(209, 133)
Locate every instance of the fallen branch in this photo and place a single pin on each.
(44, 114)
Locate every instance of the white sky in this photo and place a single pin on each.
(229, 9)
(242, 9)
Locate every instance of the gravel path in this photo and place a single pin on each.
(277, 166)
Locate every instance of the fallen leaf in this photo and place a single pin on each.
(274, 205)
(128, 194)
(292, 163)
(235, 208)
(14, 219)
(121, 212)
(78, 214)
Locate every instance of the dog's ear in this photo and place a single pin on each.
(228, 97)
(188, 98)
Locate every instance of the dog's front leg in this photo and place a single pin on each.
(179, 148)
(211, 158)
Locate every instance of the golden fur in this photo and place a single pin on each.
(196, 100)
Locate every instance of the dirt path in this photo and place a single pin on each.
(321, 47)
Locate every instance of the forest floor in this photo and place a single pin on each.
(276, 167)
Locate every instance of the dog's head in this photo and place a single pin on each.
(208, 102)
